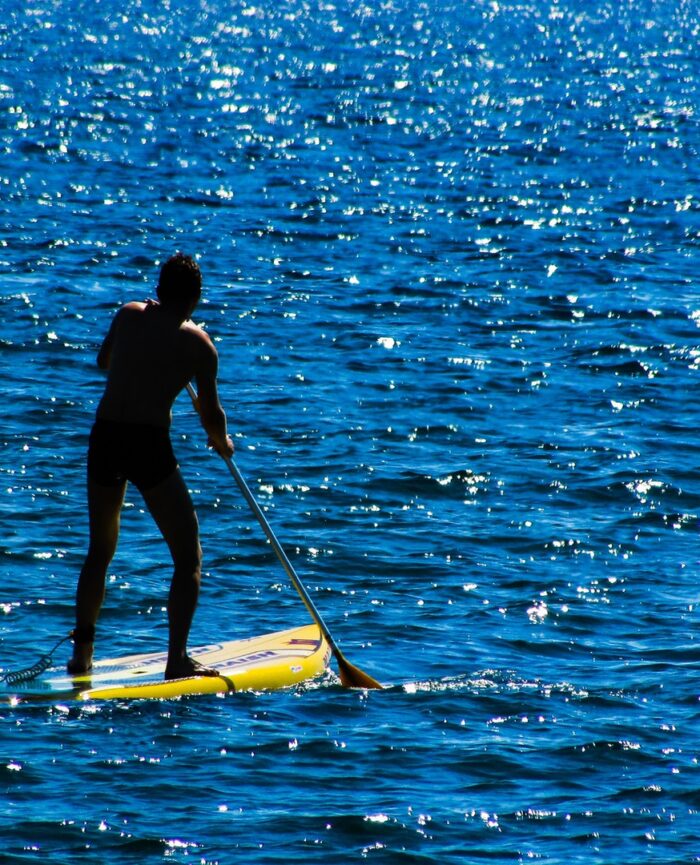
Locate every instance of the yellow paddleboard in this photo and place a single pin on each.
(267, 662)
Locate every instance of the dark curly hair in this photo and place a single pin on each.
(180, 280)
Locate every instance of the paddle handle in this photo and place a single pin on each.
(276, 546)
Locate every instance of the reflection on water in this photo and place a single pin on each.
(449, 267)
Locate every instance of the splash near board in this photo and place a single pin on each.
(264, 663)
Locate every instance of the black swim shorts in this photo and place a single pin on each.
(119, 452)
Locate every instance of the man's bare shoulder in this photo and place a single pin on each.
(132, 306)
(128, 313)
(197, 332)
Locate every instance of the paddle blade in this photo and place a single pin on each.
(353, 677)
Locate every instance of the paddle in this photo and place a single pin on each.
(350, 675)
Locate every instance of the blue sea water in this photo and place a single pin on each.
(449, 253)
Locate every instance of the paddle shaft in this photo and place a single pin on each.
(276, 546)
(280, 553)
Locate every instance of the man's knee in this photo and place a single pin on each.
(99, 556)
(188, 559)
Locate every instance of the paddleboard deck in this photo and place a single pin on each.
(267, 662)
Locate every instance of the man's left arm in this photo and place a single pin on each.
(104, 355)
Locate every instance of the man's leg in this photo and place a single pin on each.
(104, 508)
(171, 507)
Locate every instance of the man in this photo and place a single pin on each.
(152, 350)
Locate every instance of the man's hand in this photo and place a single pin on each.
(225, 452)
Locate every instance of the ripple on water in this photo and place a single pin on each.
(449, 267)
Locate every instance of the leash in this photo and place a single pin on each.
(16, 677)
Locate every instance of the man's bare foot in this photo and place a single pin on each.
(83, 645)
(185, 667)
(81, 662)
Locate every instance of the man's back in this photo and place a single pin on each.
(151, 354)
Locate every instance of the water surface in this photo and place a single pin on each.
(449, 259)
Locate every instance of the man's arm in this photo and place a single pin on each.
(105, 353)
(211, 414)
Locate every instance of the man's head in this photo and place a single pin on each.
(180, 282)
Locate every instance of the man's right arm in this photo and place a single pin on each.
(211, 414)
